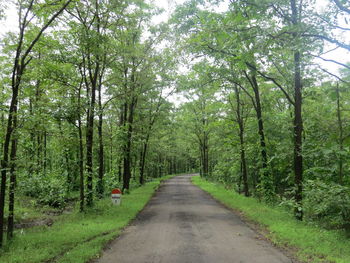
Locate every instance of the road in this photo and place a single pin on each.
(182, 223)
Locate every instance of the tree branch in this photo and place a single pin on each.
(333, 75)
(36, 39)
(341, 6)
(331, 60)
(274, 81)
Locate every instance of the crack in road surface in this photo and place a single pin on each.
(182, 223)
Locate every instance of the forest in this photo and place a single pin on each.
(99, 94)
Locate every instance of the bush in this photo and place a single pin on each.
(226, 173)
(47, 190)
(328, 203)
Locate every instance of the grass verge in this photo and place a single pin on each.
(311, 243)
(78, 237)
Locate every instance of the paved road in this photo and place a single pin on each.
(182, 223)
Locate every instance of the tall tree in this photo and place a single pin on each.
(22, 59)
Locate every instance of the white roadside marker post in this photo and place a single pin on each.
(116, 196)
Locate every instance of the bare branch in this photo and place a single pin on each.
(330, 40)
(341, 6)
(333, 75)
(331, 60)
(274, 81)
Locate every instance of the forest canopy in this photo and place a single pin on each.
(95, 94)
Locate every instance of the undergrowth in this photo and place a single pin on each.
(311, 243)
(77, 237)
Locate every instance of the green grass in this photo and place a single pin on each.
(311, 243)
(78, 237)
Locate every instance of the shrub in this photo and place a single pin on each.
(328, 203)
(47, 190)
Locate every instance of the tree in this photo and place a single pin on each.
(21, 61)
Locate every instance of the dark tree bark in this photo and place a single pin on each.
(240, 122)
(81, 155)
(148, 132)
(260, 123)
(143, 159)
(127, 149)
(298, 122)
(12, 186)
(340, 136)
(90, 139)
(264, 180)
(123, 112)
(100, 184)
(45, 153)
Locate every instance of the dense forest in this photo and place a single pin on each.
(95, 94)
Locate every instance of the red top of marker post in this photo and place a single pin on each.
(116, 191)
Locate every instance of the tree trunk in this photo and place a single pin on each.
(20, 63)
(100, 184)
(127, 152)
(111, 150)
(89, 148)
(16, 79)
(340, 136)
(45, 153)
(242, 144)
(260, 124)
(263, 179)
(298, 123)
(12, 186)
(143, 160)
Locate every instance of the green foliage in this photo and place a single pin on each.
(312, 244)
(328, 203)
(46, 189)
(78, 237)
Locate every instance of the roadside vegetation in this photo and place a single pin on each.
(99, 94)
(309, 242)
(78, 237)
(267, 105)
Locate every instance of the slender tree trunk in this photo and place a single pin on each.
(100, 185)
(12, 190)
(16, 79)
(123, 111)
(89, 149)
(90, 137)
(298, 123)
(242, 144)
(240, 179)
(205, 155)
(32, 168)
(174, 165)
(243, 161)
(45, 152)
(341, 136)
(160, 166)
(298, 128)
(12, 186)
(111, 149)
(143, 160)
(127, 154)
(260, 124)
(120, 170)
(81, 166)
(263, 179)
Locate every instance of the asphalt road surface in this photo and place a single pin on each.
(182, 223)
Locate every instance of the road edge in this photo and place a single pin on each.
(259, 229)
